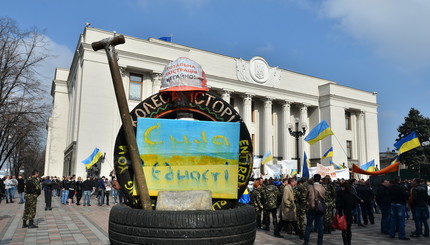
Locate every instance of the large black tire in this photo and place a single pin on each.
(136, 226)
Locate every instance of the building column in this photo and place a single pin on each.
(286, 120)
(304, 122)
(156, 82)
(247, 101)
(268, 125)
(361, 141)
(225, 95)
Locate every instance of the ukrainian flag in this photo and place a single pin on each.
(306, 166)
(329, 153)
(335, 165)
(407, 143)
(370, 166)
(94, 158)
(318, 133)
(267, 157)
(293, 172)
(396, 159)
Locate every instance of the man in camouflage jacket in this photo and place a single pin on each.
(270, 204)
(32, 191)
(257, 202)
(300, 193)
(330, 201)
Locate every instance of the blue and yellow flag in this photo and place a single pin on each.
(306, 166)
(335, 165)
(407, 143)
(329, 153)
(293, 172)
(396, 159)
(318, 133)
(267, 157)
(370, 166)
(94, 158)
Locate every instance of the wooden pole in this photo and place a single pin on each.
(130, 136)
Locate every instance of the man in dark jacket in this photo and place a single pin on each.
(21, 184)
(384, 204)
(366, 194)
(101, 191)
(47, 186)
(398, 197)
(87, 187)
(420, 209)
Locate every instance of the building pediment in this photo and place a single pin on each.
(257, 71)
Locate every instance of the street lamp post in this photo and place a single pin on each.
(297, 134)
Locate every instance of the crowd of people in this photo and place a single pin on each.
(70, 190)
(290, 204)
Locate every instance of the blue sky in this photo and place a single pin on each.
(380, 46)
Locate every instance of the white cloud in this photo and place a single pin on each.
(396, 29)
(59, 56)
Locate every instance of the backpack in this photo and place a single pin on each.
(320, 206)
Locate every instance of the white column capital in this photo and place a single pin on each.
(303, 108)
(247, 97)
(268, 101)
(286, 105)
(156, 82)
(225, 94)
(227, 91)
(156, 76)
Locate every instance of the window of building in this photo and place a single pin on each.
(253, 141)
(347, 120)
(252, 111)
(135, 87)
(349, 149)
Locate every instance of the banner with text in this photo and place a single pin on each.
(189, 155)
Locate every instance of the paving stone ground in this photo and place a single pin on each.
(89, 225)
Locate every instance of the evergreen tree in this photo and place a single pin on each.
(418, 158)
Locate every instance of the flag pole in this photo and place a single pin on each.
(346, 154)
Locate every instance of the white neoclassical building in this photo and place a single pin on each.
(269, 99)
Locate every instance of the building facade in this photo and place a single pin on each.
(269, 99)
